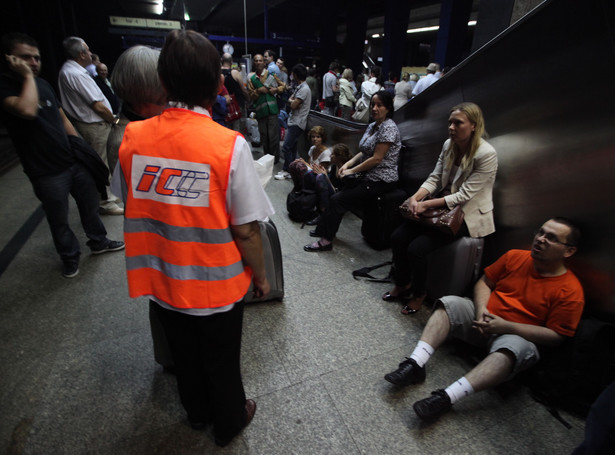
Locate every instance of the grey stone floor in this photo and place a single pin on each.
(78, 374)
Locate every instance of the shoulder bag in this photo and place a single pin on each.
(233, 110)
(361, 113)
(442, 219)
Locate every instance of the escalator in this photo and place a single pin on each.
(547, 89)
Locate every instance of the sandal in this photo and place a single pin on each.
(407, 310)
(403, 295)
(413, 302)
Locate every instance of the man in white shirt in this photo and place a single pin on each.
(425, 82)
(86, 106)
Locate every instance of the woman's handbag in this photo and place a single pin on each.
(233, 110)
(361, 113)
(442, 219)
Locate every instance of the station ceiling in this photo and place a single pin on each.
(227, 16)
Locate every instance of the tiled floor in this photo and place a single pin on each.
(78, 374)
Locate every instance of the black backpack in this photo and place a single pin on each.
(572, 377)
(301, 205)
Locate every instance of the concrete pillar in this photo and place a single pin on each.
(454, 17)
(328, 32)
(356, 29)
(396, 16)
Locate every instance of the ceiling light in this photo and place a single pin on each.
(433, 28)
(159, 7)
(423, 29)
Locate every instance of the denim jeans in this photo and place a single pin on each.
(289, 149)
(319, 183)
(53, 191)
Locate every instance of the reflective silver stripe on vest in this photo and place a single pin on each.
(178, 233)
(185, 272)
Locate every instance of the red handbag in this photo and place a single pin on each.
(233, 110)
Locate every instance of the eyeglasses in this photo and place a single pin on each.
(549, 237)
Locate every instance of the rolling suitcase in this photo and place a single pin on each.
(273, 264)
(454, 268)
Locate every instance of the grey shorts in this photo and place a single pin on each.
(461, 312)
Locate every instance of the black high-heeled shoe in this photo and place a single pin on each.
(313, 222)
(403, 295)
(407, 309)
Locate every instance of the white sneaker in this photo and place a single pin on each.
(282, 175)
(110, 208)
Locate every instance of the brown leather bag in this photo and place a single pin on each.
(442, 219)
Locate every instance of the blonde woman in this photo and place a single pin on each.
(347, 98)
(464, 175)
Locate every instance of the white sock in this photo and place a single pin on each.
(422, 353)
(459, 389)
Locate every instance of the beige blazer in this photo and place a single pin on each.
(472, 188)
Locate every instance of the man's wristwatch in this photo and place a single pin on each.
(116, 121)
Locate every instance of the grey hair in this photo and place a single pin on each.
(73, 47)
(135, 77)
(347, 74)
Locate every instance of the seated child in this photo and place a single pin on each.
(319, 153)
(326, 182)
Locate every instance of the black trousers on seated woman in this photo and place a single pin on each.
(351, 197)
(411, 243)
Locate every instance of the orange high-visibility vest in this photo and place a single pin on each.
(179, 246)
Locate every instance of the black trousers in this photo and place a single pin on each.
(206, 353)
(410, 244)
(352, 196)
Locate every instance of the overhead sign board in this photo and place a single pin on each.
(137, 22)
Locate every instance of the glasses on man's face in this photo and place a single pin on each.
(549, 237)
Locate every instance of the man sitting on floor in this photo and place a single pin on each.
(524, 300)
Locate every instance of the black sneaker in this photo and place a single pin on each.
(434, 406)
(70, 269)
(113, 245)
(407, 373)
(313, 221)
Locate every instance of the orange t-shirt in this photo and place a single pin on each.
(522, 295)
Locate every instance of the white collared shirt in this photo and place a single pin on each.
(78, 91)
